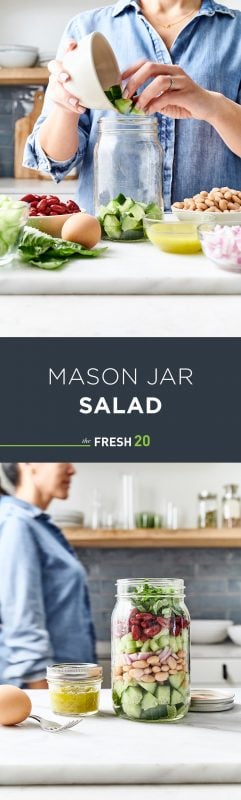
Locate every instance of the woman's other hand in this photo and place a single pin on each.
(171, 92)
(57, 82)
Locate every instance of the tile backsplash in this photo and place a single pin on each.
(15, 102)
(212, 579)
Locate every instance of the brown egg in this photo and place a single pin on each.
(15, 705)
(83, 229)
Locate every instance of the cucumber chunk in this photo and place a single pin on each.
(154, 645)
(149, 687)
(131, 709)
(134, 694)
(171, 712)
(123, 105)
(160, 712)
(112, 226)
(146, 647)
(163, 695)
(176, 680)
(176, 698)
(149, 701)
(119, 687)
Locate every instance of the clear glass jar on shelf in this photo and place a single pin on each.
(150, 650)
(231, 506)
(207, 510)
(128, 161)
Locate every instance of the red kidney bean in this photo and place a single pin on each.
(28, 198)
(162, 621)
(133, 613)
(135, 630)
(57, 209)
(71, 204)
(42, 206)
(151, 631)
(51, 198)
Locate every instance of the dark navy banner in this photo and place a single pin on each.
(120, 399)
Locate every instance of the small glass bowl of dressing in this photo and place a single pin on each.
(172, 237)
(74, 689)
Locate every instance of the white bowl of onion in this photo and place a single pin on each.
(222, 245)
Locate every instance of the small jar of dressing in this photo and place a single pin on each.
(74, 688)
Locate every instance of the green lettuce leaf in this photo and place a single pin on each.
(44, 251)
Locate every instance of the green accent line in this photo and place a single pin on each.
(45, 445)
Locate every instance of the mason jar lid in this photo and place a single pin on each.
(74, 672)
(211, 700)
(231, 489)
(205, 495)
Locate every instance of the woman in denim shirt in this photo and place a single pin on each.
(183, 59)
(44, 601)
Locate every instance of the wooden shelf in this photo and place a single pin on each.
(24, 76)
(153, 537)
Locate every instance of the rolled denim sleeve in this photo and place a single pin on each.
(34, 156)
(24, 635)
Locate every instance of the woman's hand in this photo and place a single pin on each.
(57, 82)
(171, 92)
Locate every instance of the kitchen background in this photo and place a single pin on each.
(212, 574)
(27, 23)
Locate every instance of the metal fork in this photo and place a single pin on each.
(54, 727)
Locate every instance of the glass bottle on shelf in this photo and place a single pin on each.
(231, 506)
(207, 510)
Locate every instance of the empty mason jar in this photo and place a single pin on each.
(128, 161)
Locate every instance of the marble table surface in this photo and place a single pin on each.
(124, 269)
(106, 750)
(153, 314)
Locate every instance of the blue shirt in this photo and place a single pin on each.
(208, 49)
(44, 602)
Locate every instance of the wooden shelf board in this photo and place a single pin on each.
(24, 76)
(151, 537)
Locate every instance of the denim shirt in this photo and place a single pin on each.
(208, 49)
(44, 602)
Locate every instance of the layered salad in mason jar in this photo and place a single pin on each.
(150, 651)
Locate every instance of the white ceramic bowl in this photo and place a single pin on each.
(209, 631)
(234, 632)
(218, 218)
(52, 225)
(13, 56)
(93, 68)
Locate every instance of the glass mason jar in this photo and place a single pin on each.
(231, 507)
(128, 160)
(74, 688)
(150, 650)
(207, 510)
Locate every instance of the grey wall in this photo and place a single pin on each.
(212, 578)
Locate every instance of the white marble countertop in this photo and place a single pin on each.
(130, 315)
(123, 269)
(104, 749)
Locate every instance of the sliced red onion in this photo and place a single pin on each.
(127, 658)
(165, 654)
